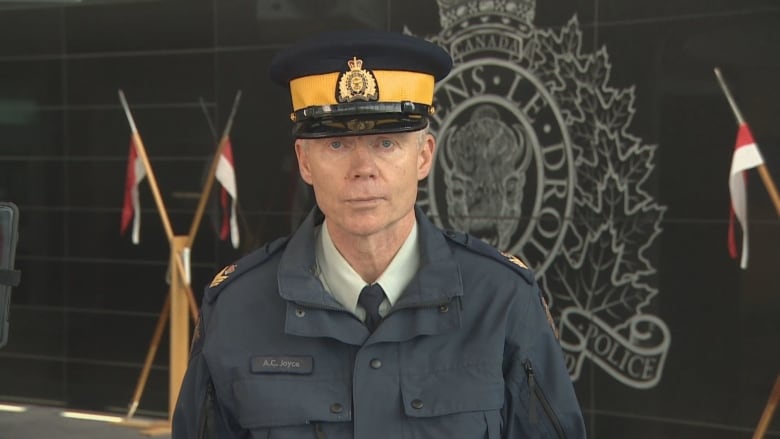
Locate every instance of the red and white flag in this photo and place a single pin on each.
(228, 194)
(746, 156)
(131, 209)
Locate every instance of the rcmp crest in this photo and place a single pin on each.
(356, 84)
(535, 157)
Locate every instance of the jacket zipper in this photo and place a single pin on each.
(318, 431)
(537, 393)
(206, 429)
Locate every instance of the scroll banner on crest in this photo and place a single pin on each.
(634, 355)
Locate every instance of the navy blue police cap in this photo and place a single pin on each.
(360, 82)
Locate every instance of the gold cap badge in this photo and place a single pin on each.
(357, 84)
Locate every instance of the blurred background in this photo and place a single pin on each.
(624, 213)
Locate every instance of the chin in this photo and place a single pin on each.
(362, 228)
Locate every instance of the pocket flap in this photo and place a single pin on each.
(451, 391)
(276, 402)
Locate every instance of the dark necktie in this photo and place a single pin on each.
(370, 299)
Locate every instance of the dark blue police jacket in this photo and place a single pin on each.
(465, 352)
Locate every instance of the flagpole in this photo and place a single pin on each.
(204, 195)
(774, 397)
(157, 197)
(763, 171)
(145, 160)
(245, 230)
(179, 298)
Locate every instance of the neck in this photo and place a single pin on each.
(370, 255)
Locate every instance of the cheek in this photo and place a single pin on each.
(326, 179)
(409, 179)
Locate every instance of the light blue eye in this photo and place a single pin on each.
(336, 144)
(386, 143)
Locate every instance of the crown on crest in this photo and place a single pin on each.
(457, 11)
(355, 63)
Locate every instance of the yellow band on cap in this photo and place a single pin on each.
(393, 86)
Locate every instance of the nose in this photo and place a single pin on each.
(362, 162)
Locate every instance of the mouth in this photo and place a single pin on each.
(363, 201)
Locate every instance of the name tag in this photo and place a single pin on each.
(297, 365)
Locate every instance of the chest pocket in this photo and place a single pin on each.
(291, 407)
(463, 402)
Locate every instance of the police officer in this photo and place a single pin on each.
(369, 321)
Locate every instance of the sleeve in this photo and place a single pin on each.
(191, 414)
(540, 399)
(197, 414)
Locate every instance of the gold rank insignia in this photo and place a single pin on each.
(357, 84)
(222, 275)
(515, 260)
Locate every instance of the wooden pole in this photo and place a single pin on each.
(766, 177)
(151, 352)
(769, 410)
(139, 145)
(763, 171)
(204, 195)
(179, 302)
(246, 233)
(180, 298)
(154, 344)
(187, 289)
(176, 303)
(179, 332)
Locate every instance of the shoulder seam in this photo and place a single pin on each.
(476, 245)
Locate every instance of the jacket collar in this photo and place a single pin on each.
(437, 281)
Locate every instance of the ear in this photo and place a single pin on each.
(304, 166)
(425, 156)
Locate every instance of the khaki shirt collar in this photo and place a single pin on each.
(345, 284)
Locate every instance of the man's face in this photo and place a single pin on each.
(366, 184)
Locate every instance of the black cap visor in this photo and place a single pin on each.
(357, 119)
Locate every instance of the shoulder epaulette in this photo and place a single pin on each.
(479, 246)
(235, 270)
